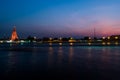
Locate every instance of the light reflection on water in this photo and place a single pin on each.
(94, 60)
(11, 63)
(70, 54)
(60, 56)
(50, 57)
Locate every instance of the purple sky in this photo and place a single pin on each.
(60, 18)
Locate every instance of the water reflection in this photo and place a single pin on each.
(12, 60)
(105, 59)
(89, 58)
(50, 44)
(60, 56)
(34, 58)
(116, 43)
(50, 57)
(71, 44)
(85, 60)
(109, 58)
(89, 55)
(105, 55)
(70, 54)
(60, 44)
(117, 54)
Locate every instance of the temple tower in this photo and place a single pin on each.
(14, 35)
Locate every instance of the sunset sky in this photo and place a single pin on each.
(60, 18)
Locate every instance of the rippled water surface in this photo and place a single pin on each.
(59, 62)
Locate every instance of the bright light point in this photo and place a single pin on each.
(103, 37)
(71, 44)
(22, 41)
(50, 38)
(71, 38)
(89, 37)
(60, 38)
(1, 41)
(10, 41)
(116, 37)
(89, 43)
(108, 37)
(60, 44)
(35, 37)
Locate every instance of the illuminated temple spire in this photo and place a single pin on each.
(14, 35)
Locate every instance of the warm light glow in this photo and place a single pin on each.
(71, 44)
(103, 43)
(89, 43)
(108, 43)
(116, 37)
(60, 44)
(103, 37)
(89, 37)
(116, 43)
(71, 38)
(108, 37)
(50, 38)
(14, 35)
(1, 41)
(72, 41)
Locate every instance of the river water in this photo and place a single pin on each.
(59, 62)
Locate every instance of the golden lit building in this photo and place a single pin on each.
(14, 35)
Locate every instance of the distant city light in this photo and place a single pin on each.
(35, 37)
(103, 37)
(103, 43)
(50, 38)
(71, 38)
(60, 44)
(9, 41)
(108, 37)
(108, 43)
(89, 43)
(71, 44)
(116, 37)
(22, 41)
(116, 43)
(60, 38)
(1, 41)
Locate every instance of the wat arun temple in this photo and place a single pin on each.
(14, 35)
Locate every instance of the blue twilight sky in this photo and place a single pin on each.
(59, 18)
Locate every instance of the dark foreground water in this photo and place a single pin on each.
(64, 63)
